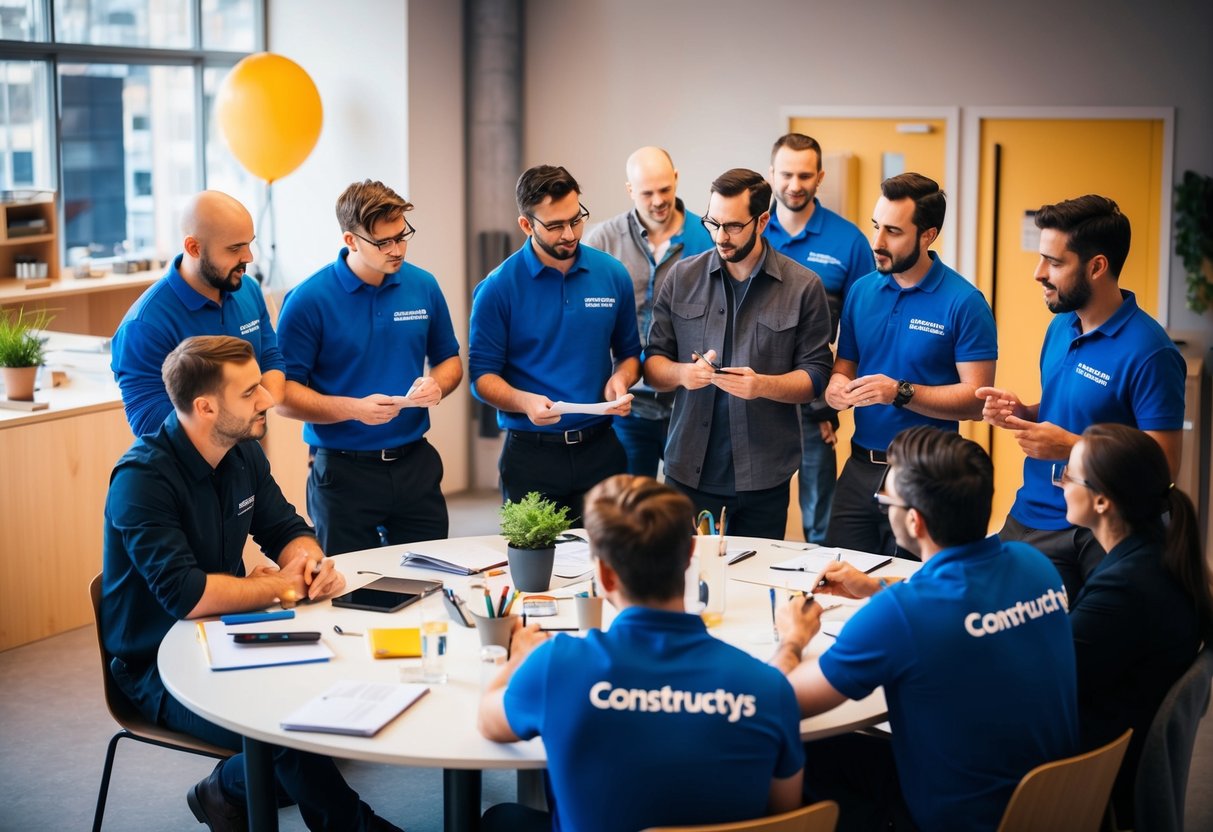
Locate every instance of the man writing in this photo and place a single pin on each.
(978, 633)
(704, 701)
(181, 505)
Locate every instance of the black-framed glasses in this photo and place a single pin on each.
(1062, 475)
(884, 501)
(558, 227)
(391, 242)
(731, 229)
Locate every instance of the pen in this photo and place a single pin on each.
(505, 591)
(837, 559)
(510, 604)
(774, 628)
(738, 558)
(488, 602)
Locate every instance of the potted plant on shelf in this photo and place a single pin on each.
(531, 526)
(21, 351)
(1194, 236)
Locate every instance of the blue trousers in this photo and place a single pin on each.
(644, 442)
(818, 474)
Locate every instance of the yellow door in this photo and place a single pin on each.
(1043, 161)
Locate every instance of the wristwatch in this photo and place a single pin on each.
(905, 392)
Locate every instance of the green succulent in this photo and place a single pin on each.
(533, 522)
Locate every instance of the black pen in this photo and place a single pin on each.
(740, 556)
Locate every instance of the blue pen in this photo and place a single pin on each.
(256, 617)
(774, 629)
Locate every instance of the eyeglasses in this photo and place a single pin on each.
(730, 228)
(883, 500)
(1061, 476)
(391, 242)
(558, 227)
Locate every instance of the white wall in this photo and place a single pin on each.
(707, 79)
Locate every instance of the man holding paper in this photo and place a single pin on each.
(684, 728)
(358, 335)
(555, 323)
(181, 505)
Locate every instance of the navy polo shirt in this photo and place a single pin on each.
(165, 315)
(829, 245)
(553, 334)
(1126, 371)
(918, 334)
(171, 520)
(344, 337)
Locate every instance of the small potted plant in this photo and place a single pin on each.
(21, 351)
(531, 526)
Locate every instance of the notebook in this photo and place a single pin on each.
(222, 653)
(356, 708)
(394, 642)
(470, 560)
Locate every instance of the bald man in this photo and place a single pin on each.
(204, 293)
(649, 240)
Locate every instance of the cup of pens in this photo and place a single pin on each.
(495, 630)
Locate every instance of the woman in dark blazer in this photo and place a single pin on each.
(1143, 612)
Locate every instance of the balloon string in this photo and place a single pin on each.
(267, 285)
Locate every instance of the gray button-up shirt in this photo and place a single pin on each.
(782, 325)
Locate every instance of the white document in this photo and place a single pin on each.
(357, 708)
(572, 559)
(223, 653)
(456, 557)
(590, 408)
(813, 562)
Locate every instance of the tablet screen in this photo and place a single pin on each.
(386, 594)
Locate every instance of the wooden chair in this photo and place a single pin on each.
(1069, 795)
(132, 723)
(820, 817)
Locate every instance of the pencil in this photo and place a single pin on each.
(488, 602)
(505, 590)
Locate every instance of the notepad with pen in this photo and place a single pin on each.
(815, 561)
(222, 653)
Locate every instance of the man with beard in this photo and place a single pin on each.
(205, 292)
(181, 505)
(837, 252)
(649, 240)
(915, 342)
(1103, 360)
(357, 336)
(555, 322)
(742, 334)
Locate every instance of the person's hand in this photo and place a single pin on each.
(323, 579)
(836, 395)
(870, 390)
(798, 621)
(425, 393)
(525, 639)
(539, 409)
(624, 407)
(999, 404)
(698, 373)
(741, 382)
(828, 436)
(375, 409)
(845, 581)
(293, 584)
(1042, 440)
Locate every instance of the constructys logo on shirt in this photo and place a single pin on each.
(929, 327)
(979, 624)
(1090, 373)
(600, 303)
(411, 315)
(249, 328)
(666, 700)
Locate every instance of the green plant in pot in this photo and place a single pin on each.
(531, 526)
(21, 351)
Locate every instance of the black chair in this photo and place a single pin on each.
(1166, 755)
(133, 725)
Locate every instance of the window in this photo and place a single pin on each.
(133, 81)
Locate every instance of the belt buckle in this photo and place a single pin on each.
(872, 458)
(569, 440)
(389, 454)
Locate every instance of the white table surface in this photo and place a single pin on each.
(440, 730)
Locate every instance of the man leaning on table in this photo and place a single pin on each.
(974, 653)
(654, 722)
(181, 504)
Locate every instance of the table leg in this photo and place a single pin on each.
(532, 791)
(461, 800)
(259, 780)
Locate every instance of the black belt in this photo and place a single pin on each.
(385, 455)
(868, 455)
(568, 437)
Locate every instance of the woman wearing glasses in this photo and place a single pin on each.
(1142, 613)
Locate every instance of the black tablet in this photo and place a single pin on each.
(387, 594)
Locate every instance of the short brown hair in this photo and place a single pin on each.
(948, 479)
(365, 203)
(930, 203)
(540, 182)
(195, 367)
(641, 529)
(797, 142)
(1093, 225)
(739, 180)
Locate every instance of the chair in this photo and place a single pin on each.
(133, 724)
(1166, 755)
(1069, 795)
(819, 817)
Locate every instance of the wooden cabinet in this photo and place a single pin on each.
(28, 230)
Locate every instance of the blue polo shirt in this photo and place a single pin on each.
(344, 337)
(165, 315)
(918, 334)
(685, 728)
(1126, 371)
(832, 247)
(553, 334)
(976, 658)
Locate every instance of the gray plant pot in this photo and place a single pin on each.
(531, 569)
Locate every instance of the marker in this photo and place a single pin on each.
(488, 602)
(738, 558)
(505, 591)
(256, 617)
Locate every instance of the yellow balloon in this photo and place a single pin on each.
(269, 112)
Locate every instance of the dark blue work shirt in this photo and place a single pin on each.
(170, 520)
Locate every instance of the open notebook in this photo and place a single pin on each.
(360, 709)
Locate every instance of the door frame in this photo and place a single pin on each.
(971, 157)
(951, 115)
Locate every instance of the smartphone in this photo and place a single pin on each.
(387, 594)
(716, 367)
(276, 638)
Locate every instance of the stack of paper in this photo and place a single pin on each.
(360, 709)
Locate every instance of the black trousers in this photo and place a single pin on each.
(858, 772)
(1074, 551)
(349, 496)
(749, 513)
(561, 473)
(855, 520)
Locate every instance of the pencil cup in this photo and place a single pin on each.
(589, 612)
(495, 630)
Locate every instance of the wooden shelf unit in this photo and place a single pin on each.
(44, 247)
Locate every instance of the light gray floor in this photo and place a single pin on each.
(54, 728)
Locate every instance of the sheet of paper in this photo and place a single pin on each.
(572, 559)
(815, 561)
(224, 654)
(358, 708)
(589, 408)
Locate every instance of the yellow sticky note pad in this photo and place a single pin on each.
(394, 642)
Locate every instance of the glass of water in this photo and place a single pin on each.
(434, 623)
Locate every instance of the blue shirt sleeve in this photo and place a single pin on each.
(488, 330)
(271, 356)
(526, 694)
(300, 329)
(139, 349)
(441, 342)
(976, 335)
(1158, 391)
(873, 649)
(625, 340)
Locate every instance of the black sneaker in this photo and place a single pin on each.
(210, 806)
